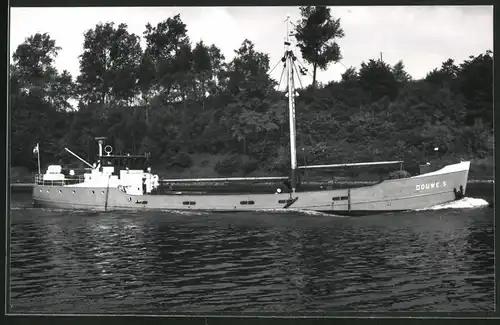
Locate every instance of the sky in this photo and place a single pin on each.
(422, 36)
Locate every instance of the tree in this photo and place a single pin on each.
(398, 70)
(316, 33)
(350, 75)
(33, 64)
(109, 65)
(475, 82)
(445, 76)
(450, 68)
(247, 72)
(377, 78)
(38, 94)
(197, 103)
(163, 43)
(202, 66)
(62, 91)
(251, 91)
(181, 71)
(125, 128)
(167, 76)
(218, 69)
(82, 128)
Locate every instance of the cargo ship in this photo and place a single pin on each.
(125, 182)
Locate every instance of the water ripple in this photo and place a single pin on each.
(436, 260)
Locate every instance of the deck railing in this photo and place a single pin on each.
(68, 180)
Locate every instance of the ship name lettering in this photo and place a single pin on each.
(427, 186)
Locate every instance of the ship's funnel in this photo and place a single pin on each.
(100, 141)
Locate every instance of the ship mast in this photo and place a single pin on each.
(289, 57)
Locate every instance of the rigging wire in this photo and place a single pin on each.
(293, 24)
(281, 78)
(342, 64)
(274, 67)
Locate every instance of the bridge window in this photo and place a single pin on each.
(188, 203)
(247, 202)
(340, 198)
(283, 201)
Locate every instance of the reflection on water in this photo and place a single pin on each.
(438, 260)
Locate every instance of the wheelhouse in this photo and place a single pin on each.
(123, 162)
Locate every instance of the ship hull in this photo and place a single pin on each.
(411, 193)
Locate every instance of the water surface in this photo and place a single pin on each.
(174, 262)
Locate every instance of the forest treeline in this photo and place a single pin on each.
(175, 99)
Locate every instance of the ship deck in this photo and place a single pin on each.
(231, 189)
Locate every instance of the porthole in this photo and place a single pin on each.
(73, 192)
(60, 191)
(92, 192)
(48, 191)
(102, 192)
(129, 199)
(41, 191)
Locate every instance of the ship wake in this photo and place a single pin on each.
(465, 203)
(304, 212)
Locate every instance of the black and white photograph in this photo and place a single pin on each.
(257, 159)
